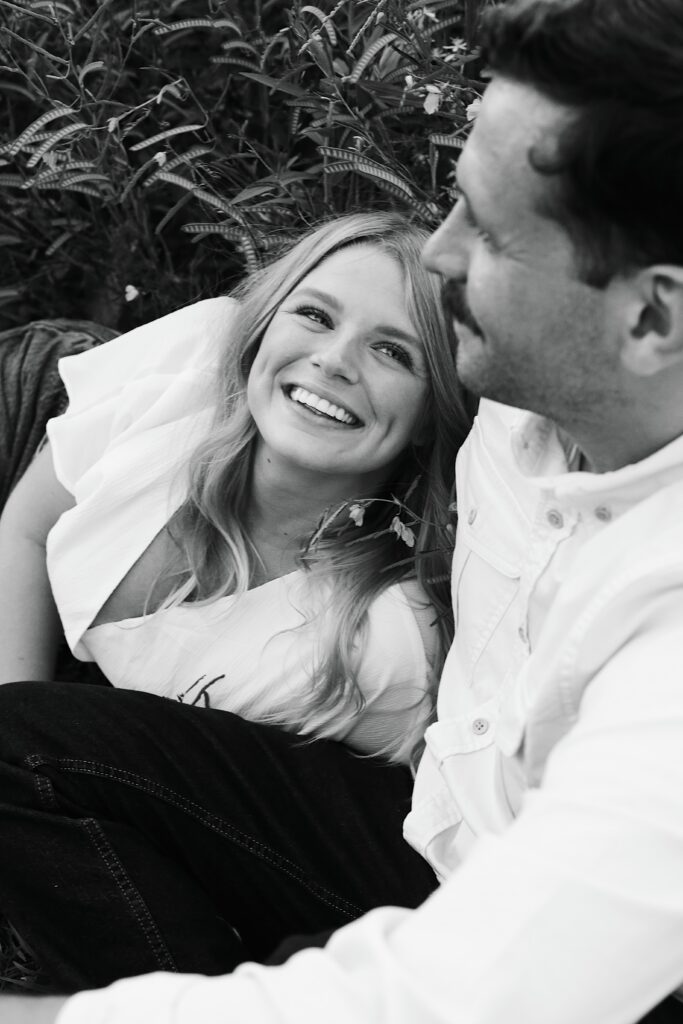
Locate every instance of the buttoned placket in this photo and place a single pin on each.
(553, 523)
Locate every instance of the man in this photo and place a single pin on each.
(550, 798)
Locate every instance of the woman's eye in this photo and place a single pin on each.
(314, 313)
(397, 352)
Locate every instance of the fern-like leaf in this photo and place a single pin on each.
(87, 190)
(453, 141)
(227, 230)
(177, 161)
(169, 133)
(235, 62)
(55, 137)
(94, 65)
(455, 19)
(28, 133)
(200, 193)
(356, 162)
(325, 21)
(240, 44)
(57, 173)
(76, 179)
(59, 242)
(210, 23)
(372, 51)
(337, 153)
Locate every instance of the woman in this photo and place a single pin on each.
(250, 519)
(314, 392)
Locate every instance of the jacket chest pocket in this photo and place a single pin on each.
(492, 531)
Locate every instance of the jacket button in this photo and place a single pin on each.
(480, 726)
(603, 514)
(471, 515)
(555, 518)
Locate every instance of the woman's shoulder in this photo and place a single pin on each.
(191, 337)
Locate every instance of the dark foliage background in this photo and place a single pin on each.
(151, 151)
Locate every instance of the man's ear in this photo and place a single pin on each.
(651, 317)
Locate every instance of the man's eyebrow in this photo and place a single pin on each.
(471, 215)
(466, 201)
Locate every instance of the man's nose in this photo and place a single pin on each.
(337, 356)
(447, 250)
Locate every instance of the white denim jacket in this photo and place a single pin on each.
(550, 797)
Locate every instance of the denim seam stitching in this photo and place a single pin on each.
(124, 884)
(130, 894)
(209, 820)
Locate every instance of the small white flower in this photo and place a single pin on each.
(403, 532)
(160, 158)
(433, 99)
(112, 124)
(432, 102)
(410, 81)
(473, 109)
(356, 514)
(131, 293)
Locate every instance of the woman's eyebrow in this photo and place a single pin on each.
(316, 293)
(390, 330)
(400, 335)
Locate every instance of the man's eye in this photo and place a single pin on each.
(472, 223)
(397, 352)
(314, 313)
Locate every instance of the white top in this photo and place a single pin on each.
(137, 407)
(550, 795)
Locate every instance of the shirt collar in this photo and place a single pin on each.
(548, 459)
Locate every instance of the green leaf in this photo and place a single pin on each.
(276, 83)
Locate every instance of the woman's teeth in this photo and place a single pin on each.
(322, 406)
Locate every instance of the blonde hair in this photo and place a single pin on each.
(348, 565)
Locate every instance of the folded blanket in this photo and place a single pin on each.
(30, 387)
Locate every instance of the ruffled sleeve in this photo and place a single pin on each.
(137, 407)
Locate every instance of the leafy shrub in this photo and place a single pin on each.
(150, 151)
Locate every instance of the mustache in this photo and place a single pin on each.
(456, 304)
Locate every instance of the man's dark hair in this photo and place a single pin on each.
(619, 63)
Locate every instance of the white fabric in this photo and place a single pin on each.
(137, 406)
(549, 796)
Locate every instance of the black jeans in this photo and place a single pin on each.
(137, 834)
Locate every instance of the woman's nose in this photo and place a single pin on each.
(337, 357)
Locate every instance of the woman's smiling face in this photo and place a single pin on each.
(340, 382)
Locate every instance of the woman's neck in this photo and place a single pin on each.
(286, 501)
(285, 505)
